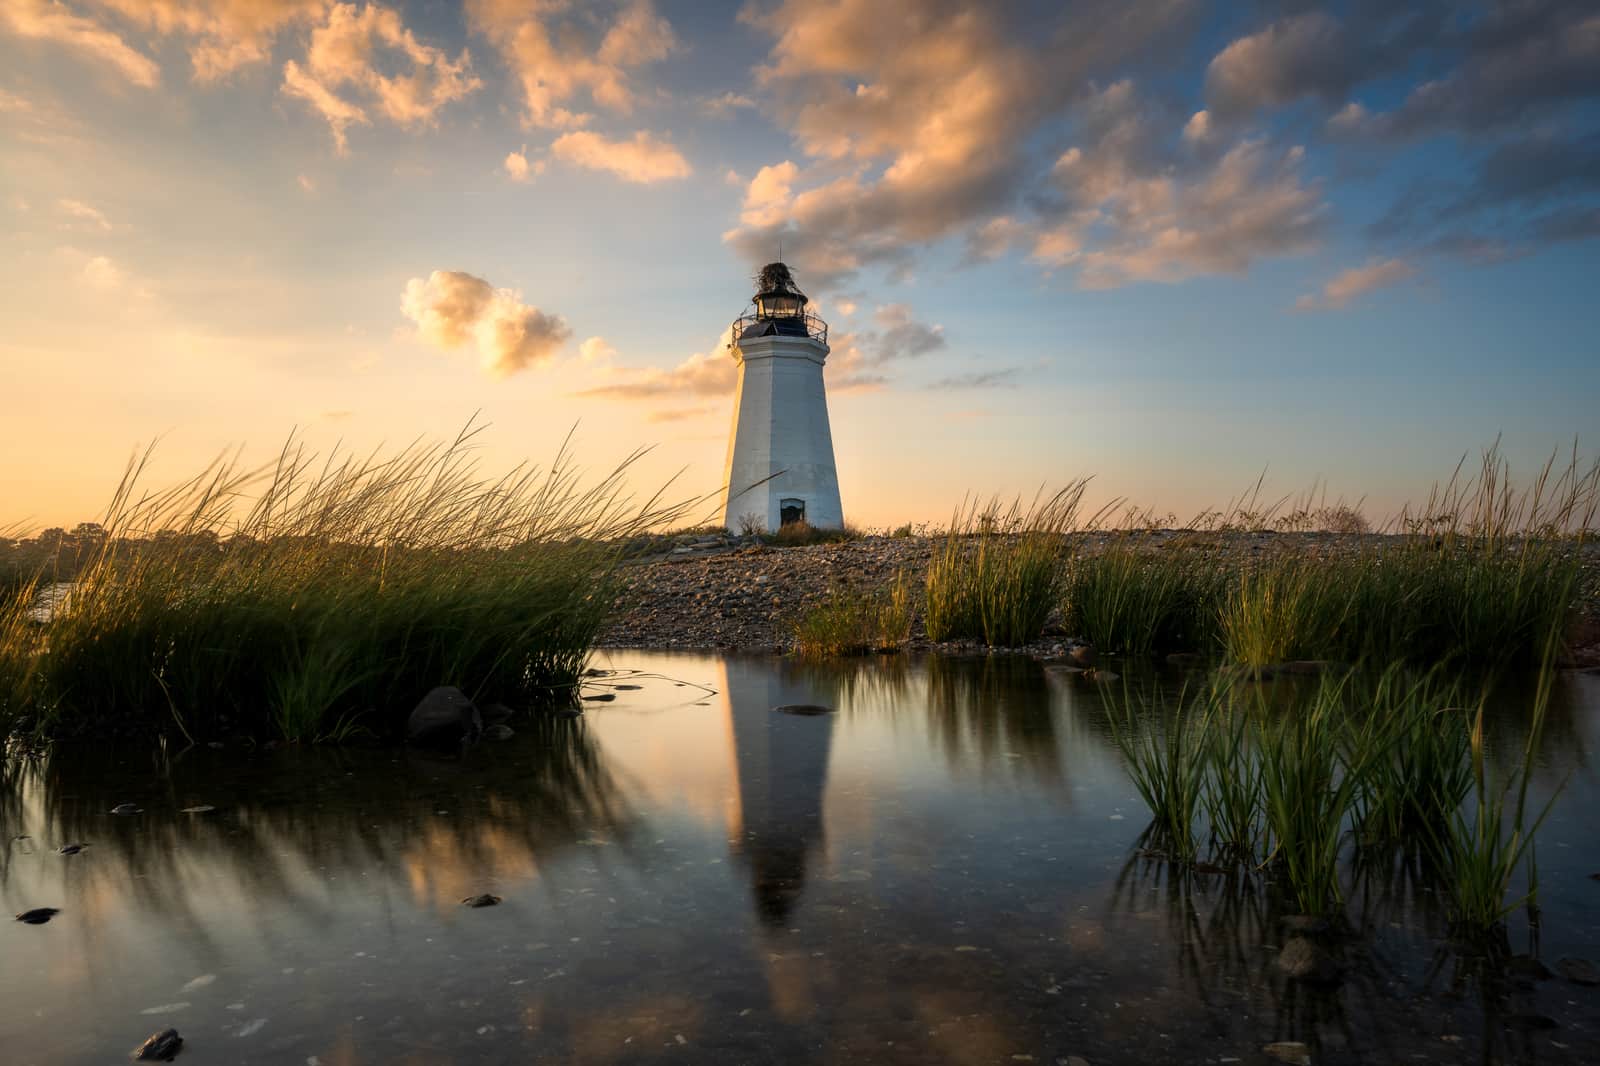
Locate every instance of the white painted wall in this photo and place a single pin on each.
(780, 427)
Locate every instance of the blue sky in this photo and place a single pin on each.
(1171, 244)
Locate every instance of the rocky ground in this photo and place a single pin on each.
(712, 591)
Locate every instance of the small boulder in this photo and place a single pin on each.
(1527, 966)
(803, 710)
(39, 915)
(1081, 655)
(484, 899)
(1579, 971)
(498, 731)
(71, 849)
(601, 697)
(127, 809)
(161, 1047)
(1290, 1051)
(444, 718)
(1303, 959)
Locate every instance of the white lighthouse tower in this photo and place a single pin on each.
(780, 454)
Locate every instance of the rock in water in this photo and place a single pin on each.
(71, 849)
(484, 900)
(39, 915)
(601, 697)
(127, 808)
(444, 718)
(1081, 655)
(1303, 959)
(805, 710)
(161, 1047)
(1579, 971)
(498, 731)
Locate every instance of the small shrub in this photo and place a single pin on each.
(752, 524)
(801, 534)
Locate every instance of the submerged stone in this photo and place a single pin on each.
(39, 915)
(1579, 971)
(498, 731)
(161, 1047)
(1290, 1051)
(482, 900)
(71, 849)
(127, 808)
(803, 710)
(1303, 959)
(444, 718)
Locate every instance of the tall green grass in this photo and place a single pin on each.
(1138, 599)
(1367, 764)
(308, 597)
(1484, 843)
(995, 578)
(857, 623)
(1167, 765)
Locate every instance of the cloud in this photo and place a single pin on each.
(726, 104)
(1002, 378)
(351, 50)
(452, 309)
(86, 215)
(1128, 207)
(900, 336)
(45, 20)
(596, 350)
(559, 52)
(1356, 282)
(1504, 199)
(642, 160)
(1303, 55)
(224, 35)
(711, 373)
(1516, 61)
(518, 168)
(101, 273)
(922, 120)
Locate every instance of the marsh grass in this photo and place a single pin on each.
(1232, 796)
(313, 597)
(1167, 763)
(1419, 770)
(1484, 843)
(1289, 608)
(857, 623)
(1312, 776)
(1135, 599)
(995, 577)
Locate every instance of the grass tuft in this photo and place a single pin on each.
(306, 596)
(856, 623)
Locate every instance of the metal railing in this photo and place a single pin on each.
(815, 327)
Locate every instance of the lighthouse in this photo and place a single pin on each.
(780, 452)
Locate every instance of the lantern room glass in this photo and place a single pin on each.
(779, 304)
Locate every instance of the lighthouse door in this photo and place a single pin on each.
(791, 511)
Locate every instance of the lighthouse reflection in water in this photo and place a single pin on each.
(782, 776)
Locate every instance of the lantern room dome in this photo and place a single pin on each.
(780, 308)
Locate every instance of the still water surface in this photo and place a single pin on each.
(943, 872)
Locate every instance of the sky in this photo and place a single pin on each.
(1170, 244)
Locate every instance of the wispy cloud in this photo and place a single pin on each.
(45, 20)
(643, 159)
(1002, 378)
(1356, 282)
